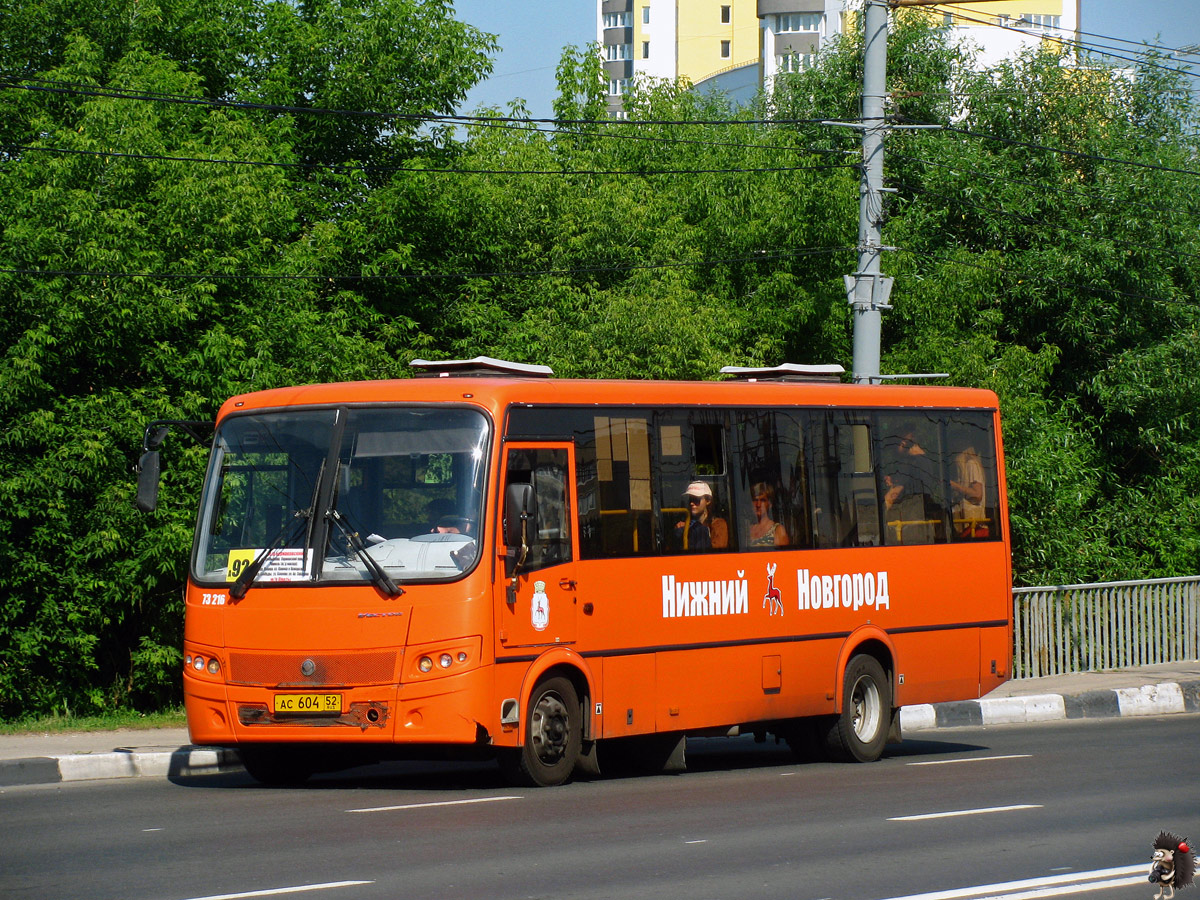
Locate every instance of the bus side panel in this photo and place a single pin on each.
(937, 666)
(629, 695)
(739, 685)
(995, 658)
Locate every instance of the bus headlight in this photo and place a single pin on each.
(444, 658)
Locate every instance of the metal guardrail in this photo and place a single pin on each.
(1086, 627)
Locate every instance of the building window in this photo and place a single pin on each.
(645, 49)
(794, 62)
(798, 22)
(617, 87)
(617, 20)
(726, 15)
(1038, 20)
(725, 49)
(618, 51)
(645, 15)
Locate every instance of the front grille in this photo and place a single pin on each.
(329, 669)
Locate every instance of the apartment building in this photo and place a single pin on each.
(737, 46)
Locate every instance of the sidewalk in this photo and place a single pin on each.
(1144, 691)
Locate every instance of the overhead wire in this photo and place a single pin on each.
(1040, 277)
(1066, 41)
(560, 126)
(1041, 222)
(424, 276)
(344, 167)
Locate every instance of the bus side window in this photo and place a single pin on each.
(549, 532)
(910, 450)
(854, 446)
(844, 494)
(691, 452)
(971, 477)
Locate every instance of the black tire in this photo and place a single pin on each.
(553, 735)
(277, 766)
(860, 733)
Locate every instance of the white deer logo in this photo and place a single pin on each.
(773, 595)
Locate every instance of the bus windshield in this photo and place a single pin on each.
(310, 494)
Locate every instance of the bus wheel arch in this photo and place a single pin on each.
(554, 724)
(866, 714)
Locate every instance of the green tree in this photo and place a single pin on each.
(157, 256)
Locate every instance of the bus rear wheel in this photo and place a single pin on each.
(860, 732)
(553, 735)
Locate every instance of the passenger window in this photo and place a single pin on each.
(693, 483)
(911, 453)
(971, 477)
(771, 500)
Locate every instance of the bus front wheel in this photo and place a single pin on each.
(553, 735)
(860, 732)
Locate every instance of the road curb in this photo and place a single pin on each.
(1150, 700)
(182, 762)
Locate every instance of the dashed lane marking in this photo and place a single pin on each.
(431, 805)
(967, 759)
(949, 814)
(276, 892)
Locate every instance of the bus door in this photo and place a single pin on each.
(538, 596)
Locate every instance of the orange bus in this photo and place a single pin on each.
(570, 575)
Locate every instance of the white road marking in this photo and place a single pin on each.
(275, 892)
(965, 812)
(705, 841)
(1050, 886)
(430, 805)
(947, 762)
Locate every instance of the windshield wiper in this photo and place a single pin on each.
(378, 576)
(239, 587)
(242, 584)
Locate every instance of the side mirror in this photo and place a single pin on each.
(147, 486)
(518, 510)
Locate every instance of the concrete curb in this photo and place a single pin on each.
(1150, 700)
(117, 764)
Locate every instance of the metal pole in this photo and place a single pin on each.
(867, 288)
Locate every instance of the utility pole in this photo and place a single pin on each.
(868, 289)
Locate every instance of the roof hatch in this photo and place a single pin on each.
(785, 372)
(480, 365)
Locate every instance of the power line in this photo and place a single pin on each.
(1042, 186)
(76, 89)
(424, 276)
(1066, 41)
(1077, 154)
(1037, 276)
(342, 167)
(1063, 229)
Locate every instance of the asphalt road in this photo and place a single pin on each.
(1058, 803)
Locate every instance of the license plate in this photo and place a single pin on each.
(308, 703)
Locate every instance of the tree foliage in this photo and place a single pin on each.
(199, 199)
